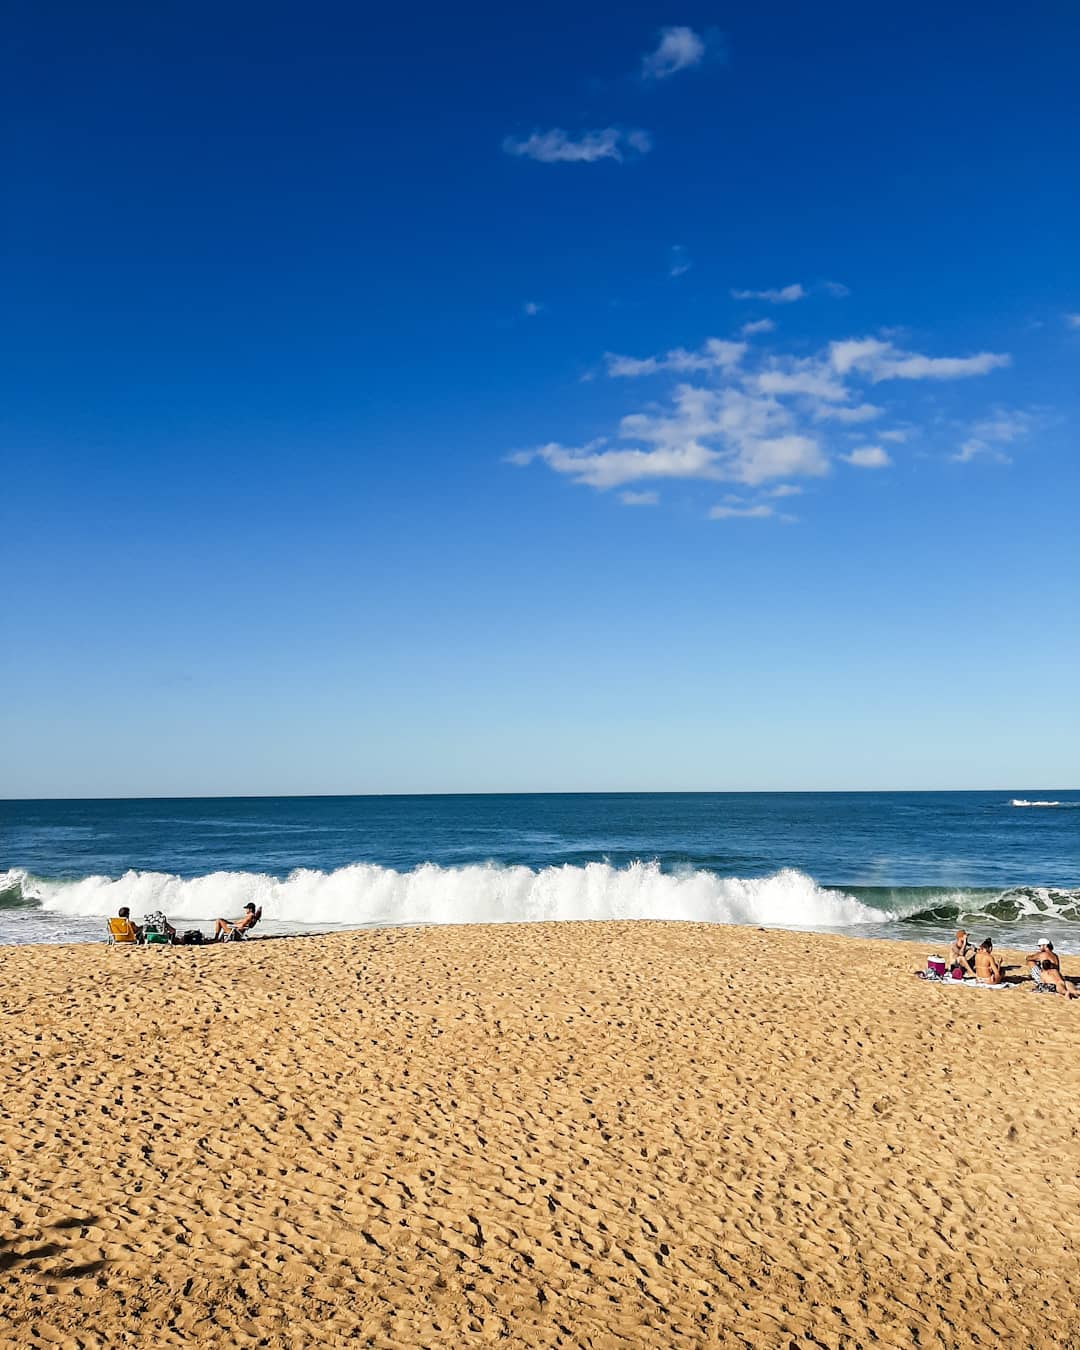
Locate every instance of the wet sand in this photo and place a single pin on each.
(608, 1135)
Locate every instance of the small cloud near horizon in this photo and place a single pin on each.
(559, 147)
(679, 263)
(868, 457)
(757, 326)
(679, 48)
(783, 295)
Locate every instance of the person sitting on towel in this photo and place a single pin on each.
(223, 927)
(961, 954)
(1045, 953)
(987, 966)
(1053, 979)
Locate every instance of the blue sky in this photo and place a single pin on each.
(469, 399)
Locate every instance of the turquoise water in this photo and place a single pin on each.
(874, 864)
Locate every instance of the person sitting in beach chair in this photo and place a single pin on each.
(961, 954)
(122, 930)
(1035, 961)
(157, 928)
(226, 930)
(987, 966)
(1052, 978)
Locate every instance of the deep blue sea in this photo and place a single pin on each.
(896, 864)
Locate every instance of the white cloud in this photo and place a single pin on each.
(680, 261)
(862, 412)
(558, 147)
(764, 421)
(532, 307)
(868, 457)
(679, 48)
(786, 295)
(800, 375)
(1073, 320)
(1003, 427)
(757, 326)
(715, 435)
(716, 354)
(836, 289)
(879, 360)
(758, 512)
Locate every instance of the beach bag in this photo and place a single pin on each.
(935, 967)
(193, 938)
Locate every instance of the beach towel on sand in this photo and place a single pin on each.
(963, 984)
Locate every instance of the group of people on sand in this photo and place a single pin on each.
(224, 929)
(1044, 965)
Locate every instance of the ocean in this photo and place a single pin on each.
(871, 864)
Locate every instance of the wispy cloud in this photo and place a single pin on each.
(1003, 427)
(861, 412)
(716, 354)
(868, 457)
(757, 326)
(784, 295)
(679, 48)
(760, 511)
(639, 498)
(532, 308)
(878, 360)
(837, 289)
(679, 262)
(1072, 320)
(559, 147)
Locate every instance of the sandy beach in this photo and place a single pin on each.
(612, 1134)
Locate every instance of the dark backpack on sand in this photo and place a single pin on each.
(193, 938)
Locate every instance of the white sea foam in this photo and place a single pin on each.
(1019, 801)
(484, 893)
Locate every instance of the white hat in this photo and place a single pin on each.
(1045, 942)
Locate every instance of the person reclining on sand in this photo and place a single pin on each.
(223, 927)
(961, 954)
(987, 966)
(1045, 953)
(1052, 978)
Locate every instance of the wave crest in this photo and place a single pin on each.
(365, 893)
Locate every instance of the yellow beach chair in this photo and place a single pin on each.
(122, 931)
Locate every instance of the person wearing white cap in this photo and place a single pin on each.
(1045, 953)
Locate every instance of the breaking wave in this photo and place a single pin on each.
(1064, 806)
(365, 893)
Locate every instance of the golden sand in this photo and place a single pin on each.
(607, 1135)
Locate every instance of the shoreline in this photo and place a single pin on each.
(601, 1133)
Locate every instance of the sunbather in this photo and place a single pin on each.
(987, 966)
(961, 954)
(223, 927)
(1035, 961)
(1053, 979)
(136, 932)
